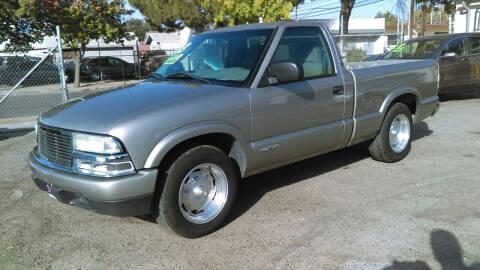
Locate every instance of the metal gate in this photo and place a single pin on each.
(30, 83)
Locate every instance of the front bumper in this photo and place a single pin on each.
(129, 195)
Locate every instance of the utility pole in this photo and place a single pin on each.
(412, 19)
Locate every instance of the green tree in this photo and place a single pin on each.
(17, 31)
(427, 6)
(234, 12)
(80, 21)
(170, 15)
(389, 17)
(139, 27)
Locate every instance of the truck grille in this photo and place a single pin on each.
(55, 146)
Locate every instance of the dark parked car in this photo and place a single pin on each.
(152, 60)
(106, 66)
(374, 57)
(14, 68)
(457, 54)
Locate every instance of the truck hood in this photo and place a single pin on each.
(100, 112)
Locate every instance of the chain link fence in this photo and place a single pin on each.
(365, 47)
(113, 63)
(30, 83)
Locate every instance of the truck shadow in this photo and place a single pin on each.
(446, 250)
(252, 189)
(459, 96)
(6, 133)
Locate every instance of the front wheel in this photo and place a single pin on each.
(198, 192)
(393, 141)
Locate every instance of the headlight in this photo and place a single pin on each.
(95, 144)
(104, 166)
(100, 155)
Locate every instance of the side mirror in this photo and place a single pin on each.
(284, 72)
(449, 55)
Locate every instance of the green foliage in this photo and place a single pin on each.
(389, 17)
(170, 15)
(447, 6)
(356, 55)
(19, 32)
(79, 20)
(233, 12)
(139, 27)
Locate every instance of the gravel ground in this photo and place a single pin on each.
(338, 211)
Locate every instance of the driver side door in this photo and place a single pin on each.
(296, 119)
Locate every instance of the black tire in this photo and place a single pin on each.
(380, 149)
(95, 76)
(168, 212)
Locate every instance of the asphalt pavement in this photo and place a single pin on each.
(341, 210)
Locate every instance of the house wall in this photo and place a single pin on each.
(461, 19)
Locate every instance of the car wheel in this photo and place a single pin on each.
(95, 76)
(393, 142)
(198, 192)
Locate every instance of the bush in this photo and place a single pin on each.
(356, 55)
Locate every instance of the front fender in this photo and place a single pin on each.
(241, 151)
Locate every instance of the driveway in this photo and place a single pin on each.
(342, 210)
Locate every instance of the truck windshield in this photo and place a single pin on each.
(415, 49)
(228, 57)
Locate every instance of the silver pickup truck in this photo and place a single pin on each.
(232, 103)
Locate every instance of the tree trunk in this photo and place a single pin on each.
(424, 21)
(77, 59)
(347, 6)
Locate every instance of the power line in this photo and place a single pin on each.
(319, 13)
(335, 9)
(319, 3)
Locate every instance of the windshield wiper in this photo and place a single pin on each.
(184, 75)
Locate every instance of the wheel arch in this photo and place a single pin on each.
(222, 135)
(406, 94)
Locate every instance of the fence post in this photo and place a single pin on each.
(62, 71)
(341, 36)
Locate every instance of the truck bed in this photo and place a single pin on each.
(368, 64)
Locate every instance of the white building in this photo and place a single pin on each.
(94, 48)
(125, 51)
(168, 41)
(467, 17)
(39, 49)
(366, 34)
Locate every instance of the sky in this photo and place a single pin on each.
(330, 9)
(135, 15)
(317, 9)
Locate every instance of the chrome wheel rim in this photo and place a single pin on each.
(203, 193)
(399, 134)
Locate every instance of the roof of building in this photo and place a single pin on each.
(163, 37)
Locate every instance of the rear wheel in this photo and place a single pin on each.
(198, 192)
(95, 76)
(393, 142)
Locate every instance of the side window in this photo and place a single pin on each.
(457, 46)
(308, 48)
(475, 44)
(113, 62)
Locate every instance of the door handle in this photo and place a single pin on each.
(338, 90)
